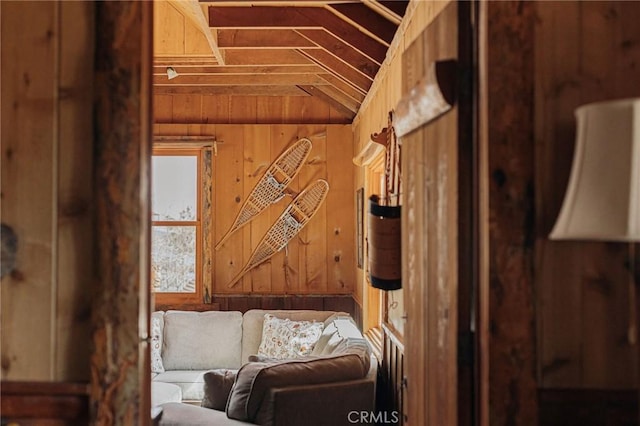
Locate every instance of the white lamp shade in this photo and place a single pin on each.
(603, 197)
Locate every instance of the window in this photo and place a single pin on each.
(176, 233)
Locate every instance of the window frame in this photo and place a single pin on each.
(167, 298)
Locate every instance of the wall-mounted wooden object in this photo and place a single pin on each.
(385, 262)
(430, 98)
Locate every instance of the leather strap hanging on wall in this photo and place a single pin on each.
(385, 261)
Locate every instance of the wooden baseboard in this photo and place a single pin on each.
(51, 403)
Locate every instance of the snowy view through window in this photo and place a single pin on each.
(173, 246)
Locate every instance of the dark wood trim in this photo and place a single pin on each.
(468, 214)
(367, 18)
(510, 102)
(243, 303)
(588, 407)
(44, 402)
(200, 307)
(392, 382)
(120, 368)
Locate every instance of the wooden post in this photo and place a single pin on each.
(119, 363)
(512, 362)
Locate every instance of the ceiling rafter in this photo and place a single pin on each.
(331, 50)
(368, 19)
(332, 99)
(239, 80)
(383, 11)
(399, 7)
(297, 17)
(252, 38)
(342, 50)
(340, 69)
(186, 69)
(191, 10)
(230, 90)
(344, 87)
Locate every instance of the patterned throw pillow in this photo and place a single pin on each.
(283, 338)
(156, 345)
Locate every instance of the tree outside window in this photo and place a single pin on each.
(176, 240)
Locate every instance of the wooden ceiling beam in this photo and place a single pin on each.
(399, 7)
(255, 70)
(334, 65)
(297, 17)
(257, 17)
(347, 32)
(365, 17)
(275, 2)
(191, 10)
(230, 90)
(250, 38)
(338, 48)
(334, 97)
(265, 57)
(383, 11)
(183, 60)
(239, 80)
(344, 87)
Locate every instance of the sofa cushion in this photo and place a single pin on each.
(217, 386)
(157, 326)
(255, 379)
(202, 340)
(165, 392)
(176, 414)
(190, 381)
(283, 338)
(252, 325)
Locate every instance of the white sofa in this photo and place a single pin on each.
(192, 343)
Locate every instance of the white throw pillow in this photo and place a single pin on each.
(156, 342)
(283, 338)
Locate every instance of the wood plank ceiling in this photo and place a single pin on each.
(328, 49)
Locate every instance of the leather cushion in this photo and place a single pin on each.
(217, 386)
(255, 379)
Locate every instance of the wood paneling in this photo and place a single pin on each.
(228, 109)
(29, 165)
(46, 193)
(387, 90)
(393, 384)
(512, 385)
(176, 34)
(321, 259)
(44, 403)
(338, 303)
(588, 407)
(582, 287)
(120, 367)
(429, 240)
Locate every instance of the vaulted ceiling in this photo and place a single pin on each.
(328, 49)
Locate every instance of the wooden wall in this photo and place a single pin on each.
(321, 260)
(47, 74)
(584, 52)
(430, 239)
(386, 91)
(230, 109)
